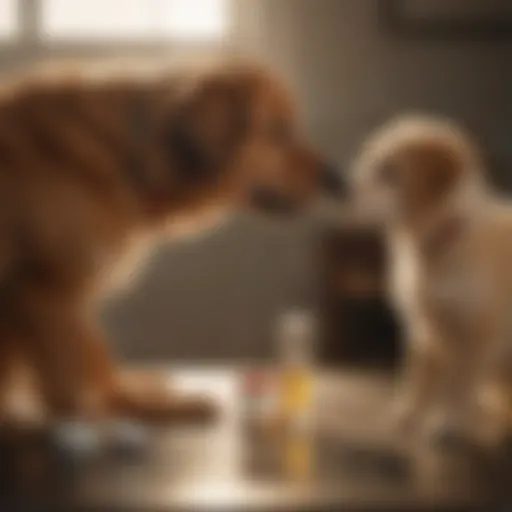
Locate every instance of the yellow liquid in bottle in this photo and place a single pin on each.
(296, 381)
(298, 456)
(297, 391)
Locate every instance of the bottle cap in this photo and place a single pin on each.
(296, 335)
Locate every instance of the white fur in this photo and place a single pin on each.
(455, 303)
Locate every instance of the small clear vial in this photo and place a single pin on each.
(296, 334)
(260, 399)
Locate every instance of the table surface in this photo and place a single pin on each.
(349, 460)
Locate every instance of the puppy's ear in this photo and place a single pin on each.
(434, 169)
(208, 124)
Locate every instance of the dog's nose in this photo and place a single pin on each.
(333, 181)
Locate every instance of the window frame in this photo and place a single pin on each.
(27, 39)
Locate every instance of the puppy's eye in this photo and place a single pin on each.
(388, 173)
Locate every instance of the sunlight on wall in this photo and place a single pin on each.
(8, 18)
(187, 20)
(197, 19)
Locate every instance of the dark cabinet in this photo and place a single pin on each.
(358, 326)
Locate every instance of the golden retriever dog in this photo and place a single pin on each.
(94, 163)
(450, 242)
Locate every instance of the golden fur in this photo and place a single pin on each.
(90, 163)
(450, 239)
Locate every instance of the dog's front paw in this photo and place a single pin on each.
(128, 438)
(194, 409)
(148, 398)
(76, 440)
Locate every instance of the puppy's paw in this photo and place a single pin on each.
(495, 419)
(450, 435)
(493, 433)
(450, 439)
(403, 417)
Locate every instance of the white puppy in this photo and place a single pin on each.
(450, 241)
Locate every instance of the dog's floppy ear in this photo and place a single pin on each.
(436, 170)
(207, 125)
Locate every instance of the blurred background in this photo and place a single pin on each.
(352, 64)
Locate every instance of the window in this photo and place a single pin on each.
(8, 19)
(196, 19)
(86, 20)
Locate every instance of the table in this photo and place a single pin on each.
(226, 467)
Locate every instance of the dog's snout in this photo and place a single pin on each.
(271, 201)
(332, 181)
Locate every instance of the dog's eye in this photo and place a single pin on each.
(388, 173)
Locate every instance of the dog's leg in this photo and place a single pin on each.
(453, 425)
(140, 395)
(54, 343)
(79, 378)
(6, 363)
(424, 363)
(470, 363)
(495, 406)
(81, 387)
(495, 402)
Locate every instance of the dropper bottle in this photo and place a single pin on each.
(296, 339)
